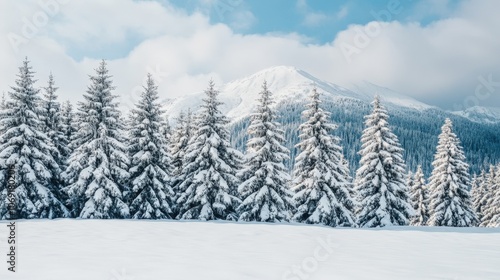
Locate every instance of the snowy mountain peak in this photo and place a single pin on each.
(288, 83)
(481, 114)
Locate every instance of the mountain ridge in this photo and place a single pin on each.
(287, 82)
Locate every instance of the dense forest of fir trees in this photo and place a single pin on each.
(91, 162)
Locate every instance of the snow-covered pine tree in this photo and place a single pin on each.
(178, 146)
(494, 207)
(98, 167)
(349, 180)
(180, 138)
(69, 123)
(3, 102)
(28, 152)
(450, 202)
(322, 189)
(209, 188)
(419, 199)
(382, 193)
(52, 122)
(478, 193)
(410, 180)
(166, 130)
(151, 193)
(489, 186)
(264, 189)
(167, 133)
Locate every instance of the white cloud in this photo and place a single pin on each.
(442, 59)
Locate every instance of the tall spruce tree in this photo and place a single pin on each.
(264, 190)
(410, 177)
(180, 137)
(27, 156)
(382, 192)
(98, 171)
(3, 102)
(450, 202)
(152, 195)
(477, 193)
(52, 122)
(419, 199)
(489, 201)
(209, 188)
(321, 177)
(494, 208)
(69, 125)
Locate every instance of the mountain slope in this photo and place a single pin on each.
(287, 83)
(481, 114)
(415, 123)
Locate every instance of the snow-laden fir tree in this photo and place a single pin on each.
(348, 178)
(209, 188)
(69, 123)
(409, 180)
(180, 137)
(494, 207)
(52, 122)
(322, 189)
(166, 130)
(382, 192)
(490, 186)
(3, 102)
(450, 202)
(477, 192)
(178, 146)
(151, 193)
(29, 153)
(419, 199)
(98, 167)
(264, 190)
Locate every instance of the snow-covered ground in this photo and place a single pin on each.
(143, 250)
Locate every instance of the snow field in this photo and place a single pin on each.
(152, 250)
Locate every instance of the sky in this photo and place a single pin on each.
(442, 52)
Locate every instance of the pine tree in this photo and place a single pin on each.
(477, 193)
(98, 170)
(166, 130)
(28, 152)
(178, 146)
(52, 122)
(181, 136)
(382, 192)
(208, 191)
(410, 180)
(490, 187)
(3, 102)
(450, 202)
(264, 191)
(323, 191)
(152, 195)
(4, 105)
(419, 199)
(494, 207)
(69, 123)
